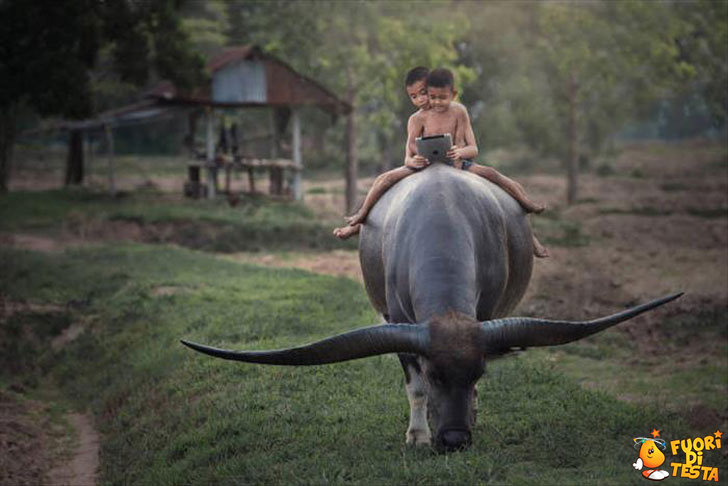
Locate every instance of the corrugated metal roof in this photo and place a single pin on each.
(284, 85)
(277, 84)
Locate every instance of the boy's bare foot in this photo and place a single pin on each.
(346, 231)
(356, 218)
(540, 251)
(530, 206)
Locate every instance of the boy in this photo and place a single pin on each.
(433, 94)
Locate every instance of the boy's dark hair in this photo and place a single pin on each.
(441, 78)
(416, 74)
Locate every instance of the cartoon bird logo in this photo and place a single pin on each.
(651, 456)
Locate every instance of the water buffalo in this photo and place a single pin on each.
(445, 256)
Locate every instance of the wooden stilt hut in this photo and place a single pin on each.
(246, 77)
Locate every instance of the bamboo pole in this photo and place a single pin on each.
(297, 158)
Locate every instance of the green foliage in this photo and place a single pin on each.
(206, 24)
(361, 51)
(255, 224)
(622, 57)
(704, 45)
(49, 48)
(46, 50)
(171, 416)
(149, 34)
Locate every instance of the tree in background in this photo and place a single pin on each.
(361, 50)
(48, 50)
(704, 45)
(563, 77)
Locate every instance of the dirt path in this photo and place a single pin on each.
(33, 438)
(82, 469)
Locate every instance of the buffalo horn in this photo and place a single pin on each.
(503, 335)
(360, 343)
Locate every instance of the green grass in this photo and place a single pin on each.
(255, 224)
(687, 366)
(171, 416)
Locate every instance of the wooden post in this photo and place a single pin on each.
(297, 158)
(572, 163)
(251, 180)
(110, 143)
(352, 157)
(90, 158)
(210, 155)
(74, 161)
(278, 121)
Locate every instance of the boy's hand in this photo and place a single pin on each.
(417, 162)
(454, 153)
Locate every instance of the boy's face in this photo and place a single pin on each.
(440, 98)
(417, 93)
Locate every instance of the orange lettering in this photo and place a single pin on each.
(698, 444)
(709, 445)
(674, 445)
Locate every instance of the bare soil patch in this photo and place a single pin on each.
(23, 453)
(339, 263)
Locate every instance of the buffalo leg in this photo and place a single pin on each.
(418, 432)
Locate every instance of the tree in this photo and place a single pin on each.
(562, 77)
(47, 51)
(361, 50)
(704, 45)
(606, 61)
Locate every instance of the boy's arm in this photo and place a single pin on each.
(470, 149)
(414, 130)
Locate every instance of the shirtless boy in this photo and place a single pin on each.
(438, 114)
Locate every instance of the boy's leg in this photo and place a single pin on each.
(380, 186)
(347, 231)
(509, 185)
(539, 251)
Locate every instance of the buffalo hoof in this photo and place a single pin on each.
(418, 437)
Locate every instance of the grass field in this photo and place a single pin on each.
(171, 416)
(91, 323)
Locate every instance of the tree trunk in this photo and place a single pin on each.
(351, 152)
(7, 141)
(572, 167)
(278, 122)
(74, 161)
(110, 152)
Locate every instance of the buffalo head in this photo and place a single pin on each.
(450, 351)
